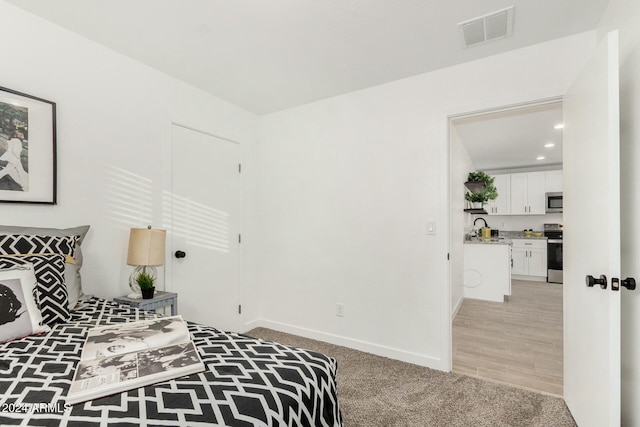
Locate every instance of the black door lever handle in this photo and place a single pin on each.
(592, 281)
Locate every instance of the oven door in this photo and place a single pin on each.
(554, 261)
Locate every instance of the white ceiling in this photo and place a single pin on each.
(513, 138)
(270, 55)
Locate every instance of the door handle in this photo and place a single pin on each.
(180, 254)
(629, 283)
(592, 281)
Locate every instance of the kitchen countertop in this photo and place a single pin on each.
(494, 241)
(520, 235)
(529, 238)
(502, 240)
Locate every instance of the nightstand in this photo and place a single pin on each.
(160, 299)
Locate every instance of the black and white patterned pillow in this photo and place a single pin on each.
(13, 244)
(51, 292)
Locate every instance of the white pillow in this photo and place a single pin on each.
(19, 312)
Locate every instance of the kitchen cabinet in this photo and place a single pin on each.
(500, 206)
(529, 258)
(527, 193)
(487, 271)
(553, 181)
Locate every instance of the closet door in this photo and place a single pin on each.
(204, 208)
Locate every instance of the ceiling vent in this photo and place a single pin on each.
(492, 26)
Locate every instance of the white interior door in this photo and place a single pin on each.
(592, 241)
(630, 225)
(205, 212)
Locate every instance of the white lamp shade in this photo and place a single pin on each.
(146, 247)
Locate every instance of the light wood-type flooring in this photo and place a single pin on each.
(518, 342)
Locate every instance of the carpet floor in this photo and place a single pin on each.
(377, 391)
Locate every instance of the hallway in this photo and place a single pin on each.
(518, 342)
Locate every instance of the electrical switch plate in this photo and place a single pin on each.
(340, 310)
(431, 227)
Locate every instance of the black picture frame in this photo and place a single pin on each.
(28, 158)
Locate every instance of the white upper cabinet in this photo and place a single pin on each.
(501, 206)
(553, 181)
(518, 201)
(527, 193)
(536, 193)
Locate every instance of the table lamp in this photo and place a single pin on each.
(146, 251)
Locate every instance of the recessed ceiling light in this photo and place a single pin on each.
(559, 126)
(549, 145)
(540, 158)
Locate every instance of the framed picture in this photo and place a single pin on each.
(27, 148)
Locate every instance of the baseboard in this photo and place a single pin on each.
(529, 278)
(379, 350)
(457, 307)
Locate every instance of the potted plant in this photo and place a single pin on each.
(145, 281)
(482, 189)
(477, 199)
(479, 176)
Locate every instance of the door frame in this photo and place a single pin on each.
(452, 192)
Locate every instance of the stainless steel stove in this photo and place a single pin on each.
(553, 233)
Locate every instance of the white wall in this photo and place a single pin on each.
(625, 16)
(347, 185)
(521, 222)
(460, 166)
(114, 124)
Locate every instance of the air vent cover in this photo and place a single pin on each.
(492, 26)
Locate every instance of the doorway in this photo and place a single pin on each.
(204, 219)
(518, 341)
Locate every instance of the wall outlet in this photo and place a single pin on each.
(340, 310)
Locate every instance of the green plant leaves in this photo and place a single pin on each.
(489, 192)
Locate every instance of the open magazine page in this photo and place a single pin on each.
(130, 337)
(102, 377)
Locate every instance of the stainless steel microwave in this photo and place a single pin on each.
(553, 202)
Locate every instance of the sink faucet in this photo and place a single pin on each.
(483, 220)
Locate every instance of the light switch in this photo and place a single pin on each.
(431, 227)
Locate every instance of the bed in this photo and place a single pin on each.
(246, 382)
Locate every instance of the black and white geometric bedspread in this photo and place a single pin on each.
(247, 382)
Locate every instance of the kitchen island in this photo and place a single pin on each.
(487, 269)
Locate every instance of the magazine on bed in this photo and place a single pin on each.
(122, 357)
